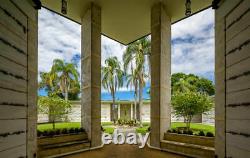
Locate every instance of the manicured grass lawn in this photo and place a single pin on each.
(194, 126)
(109, 130)
(48, 126)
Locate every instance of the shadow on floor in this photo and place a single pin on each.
(124, 151)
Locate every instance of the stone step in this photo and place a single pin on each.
(192, 150)
(62, 148)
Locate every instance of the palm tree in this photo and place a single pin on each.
(137, 54)
(112, 79)
(67, 75)
(48, 81)
(132, 81)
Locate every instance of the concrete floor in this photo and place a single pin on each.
(124, 151)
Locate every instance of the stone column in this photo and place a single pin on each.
(91, 74)
(32, 85)
(160, 72)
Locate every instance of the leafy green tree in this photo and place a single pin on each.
(187, 104)
(205, 85)
(112, 79)
(54, 107)
(181, 82)
(138, 54)
(67, 75)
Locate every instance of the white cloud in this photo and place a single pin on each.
(193, 45)
(111, 48)
(192, 48)
(58, 38)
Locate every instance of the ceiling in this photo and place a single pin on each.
(125, 20)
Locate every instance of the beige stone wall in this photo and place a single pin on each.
(105, 113)
(146, 112)
(18, 78)
(232, 102)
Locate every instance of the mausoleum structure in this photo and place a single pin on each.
(124, 21)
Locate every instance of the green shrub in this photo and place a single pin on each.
(64, 131)
(107, 123)
(210, 134)
(57, 131)
(145, 123)
(81, 129)
(45, 133)
(201, 133)
(189, 132)
(39, 133)
(51, 133)
(71, 130)
(174, 131)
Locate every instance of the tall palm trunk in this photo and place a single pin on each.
(140, 101)
(113, 106)
(113, 110)
(135, 102)
(66, 94)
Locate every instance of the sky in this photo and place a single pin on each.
(192, 46)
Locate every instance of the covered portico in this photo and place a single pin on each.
(126, 21)
(123, 21)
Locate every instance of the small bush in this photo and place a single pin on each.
(189, 132)
(149, 129)
(57, 131)
(169, 131)
(51, 133)
(210, 134)
(81, 129)
(185, 132)
(201, 133)
(174, 131)
(39, 133)
(45, 133)
(144, 123)
(65, 131)
(71, 130)
(76, 130)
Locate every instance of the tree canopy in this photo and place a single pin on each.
(55, 107)
(187, 104)
(61, 80)
(181, 82)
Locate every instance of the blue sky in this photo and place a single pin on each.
(192, 46)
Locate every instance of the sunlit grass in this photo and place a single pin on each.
(194, 126)
(49, 126)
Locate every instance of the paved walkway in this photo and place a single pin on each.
(124, 151)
